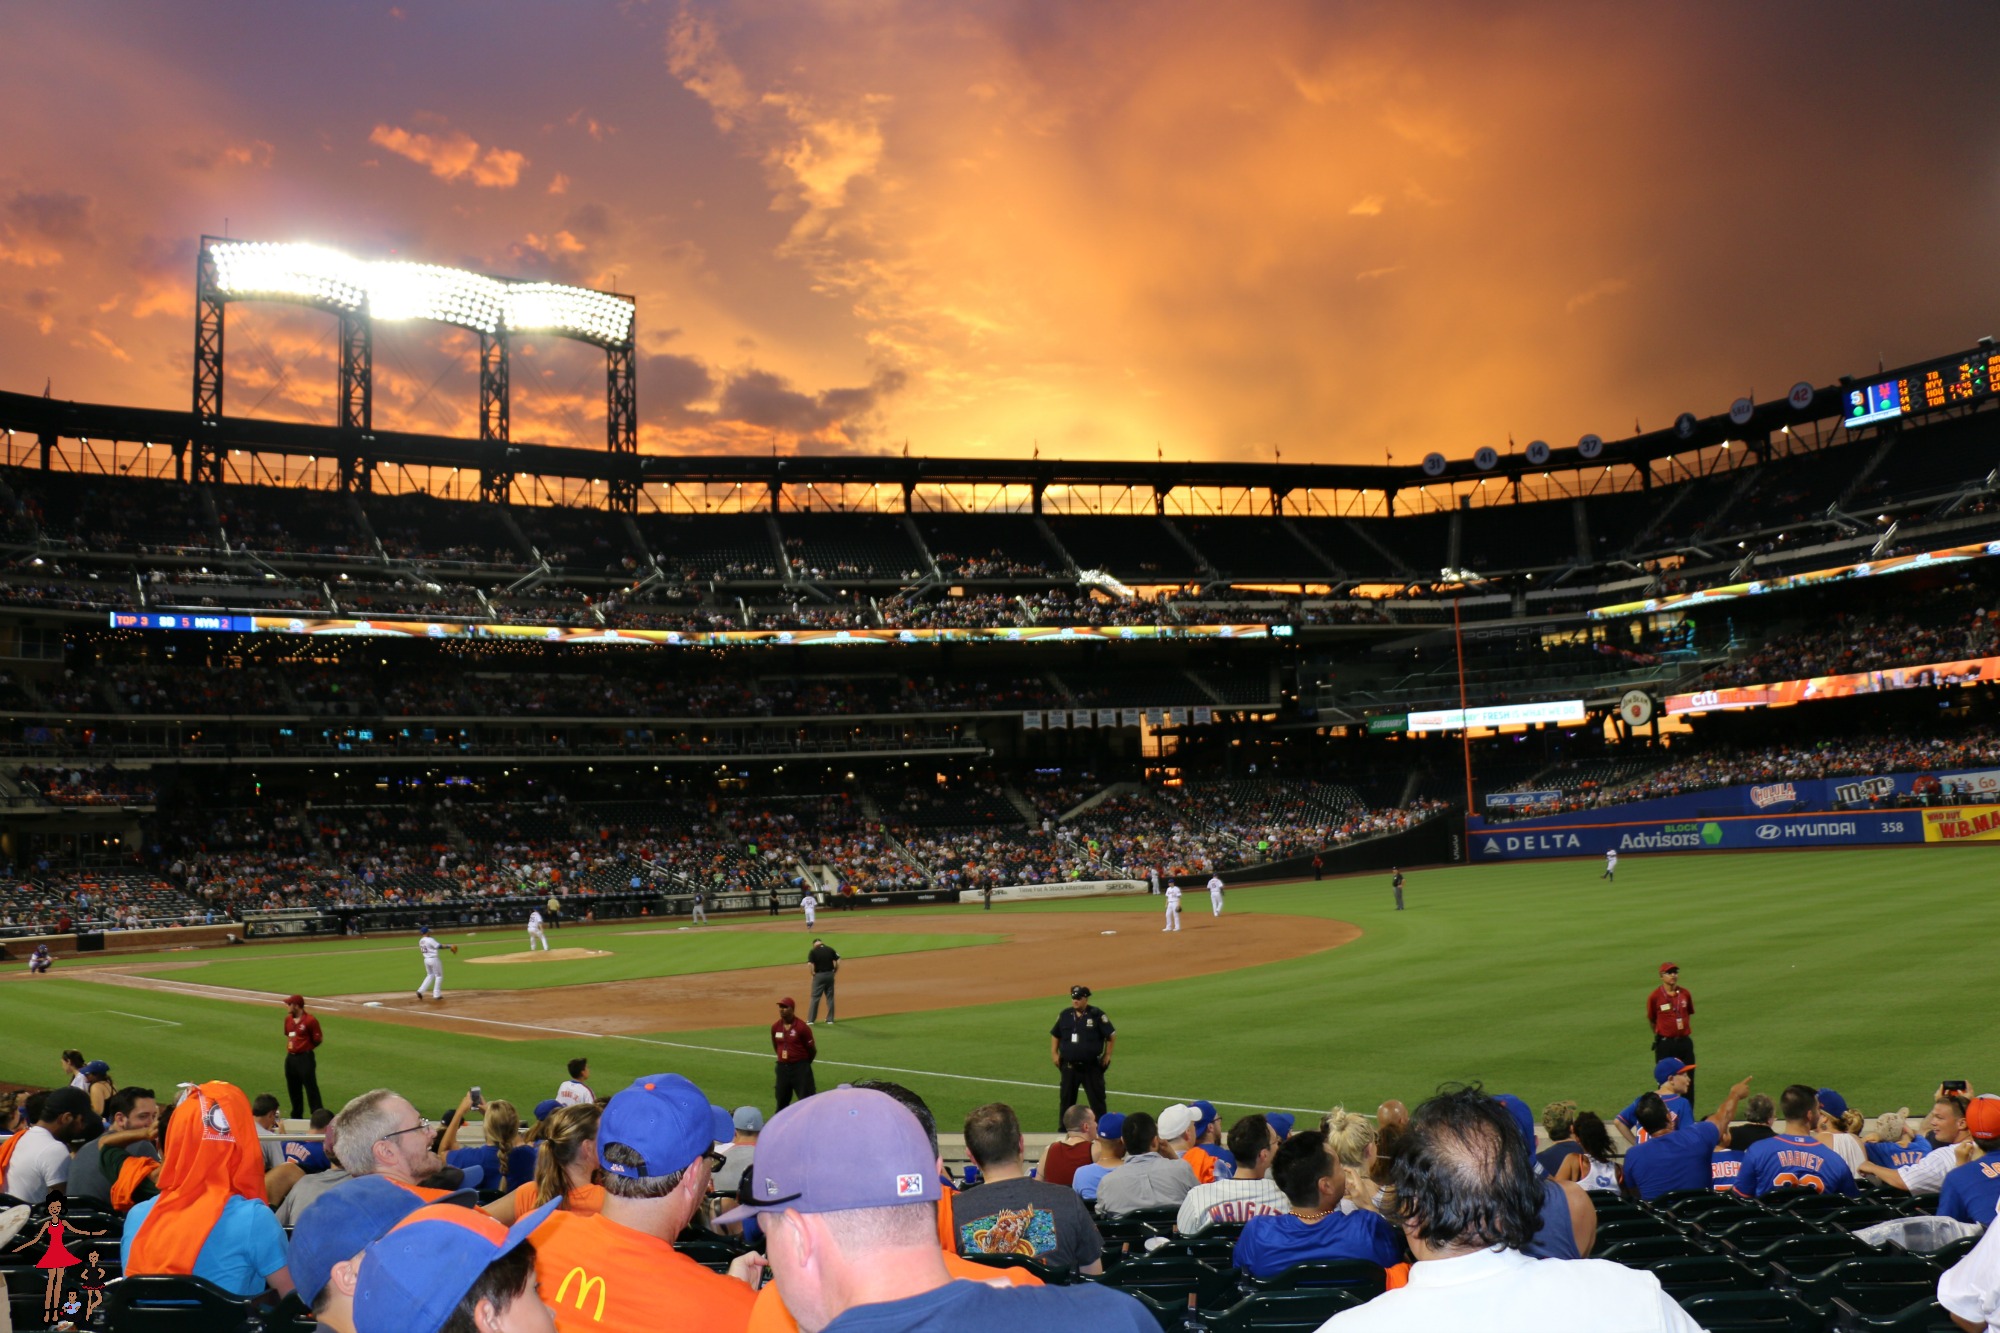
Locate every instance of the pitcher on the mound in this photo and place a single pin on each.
(536, 935)
(433, 980)
(1173, 907)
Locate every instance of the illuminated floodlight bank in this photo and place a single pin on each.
(398, 289)
(310, 273)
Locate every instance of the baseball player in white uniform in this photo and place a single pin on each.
(1215, 894)
(1173, 907)
(810, 906)
(1610, 865)
(536, 935)
(433, 980)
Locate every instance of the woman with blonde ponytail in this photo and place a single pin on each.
(566, 1172)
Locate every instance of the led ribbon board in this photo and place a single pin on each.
(394, 289)
(1730, 592)
(1500, 715)
(225, 623)
(1931, 675)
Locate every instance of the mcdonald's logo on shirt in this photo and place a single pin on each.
(583, 1291)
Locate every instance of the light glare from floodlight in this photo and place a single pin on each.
(396, 289)
(427, 291)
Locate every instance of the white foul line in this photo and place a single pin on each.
(143, 1018)
(196, 990)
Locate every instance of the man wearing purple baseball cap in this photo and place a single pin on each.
(617, 1271)
(845, 1189)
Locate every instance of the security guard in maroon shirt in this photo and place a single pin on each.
(792, 1039)
(1670, 1013)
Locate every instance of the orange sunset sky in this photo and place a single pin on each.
(1335, 230)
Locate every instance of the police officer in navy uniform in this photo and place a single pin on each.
(1080, 1046)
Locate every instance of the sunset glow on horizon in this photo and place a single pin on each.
(1327, 233)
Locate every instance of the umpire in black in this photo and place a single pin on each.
(1080, 1046)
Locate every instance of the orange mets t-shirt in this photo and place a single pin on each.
(598, 1275)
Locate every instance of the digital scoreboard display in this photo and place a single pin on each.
(1962, 379)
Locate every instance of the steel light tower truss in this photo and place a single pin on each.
(361, 292)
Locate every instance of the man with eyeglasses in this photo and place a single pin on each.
(617, 1271)
(380, 1134)
(1670, 1014)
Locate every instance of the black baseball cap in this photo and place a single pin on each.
(1079, 992)
(66, 1101)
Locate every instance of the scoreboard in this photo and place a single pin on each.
(1961, 379)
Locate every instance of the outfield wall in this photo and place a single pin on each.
(1636, 828)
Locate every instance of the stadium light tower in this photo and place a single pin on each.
(360, 292)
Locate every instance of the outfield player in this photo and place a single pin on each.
(536, 935)
(1610, 865)
(810, 906)
(1397, 885)
(1215, 895)
(428, 946)
(1173, 907)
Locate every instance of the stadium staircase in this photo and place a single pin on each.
(359, 517)
(1090, 803)
(934, 574)
(1182, 540)
(1020, 802)
(1055, 543)
(1392, 561)
(1299, 536)
(1890, 438)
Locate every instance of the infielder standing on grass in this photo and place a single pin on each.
(428, 946)
(1215, 895)
(1610, 866)
(536, 935)
(1173, 907)
(810, 906)
(700, 917)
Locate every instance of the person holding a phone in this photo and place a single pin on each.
(1945, 1128)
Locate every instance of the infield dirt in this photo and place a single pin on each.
(1042, 955)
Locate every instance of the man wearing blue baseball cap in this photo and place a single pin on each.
(447, 1267)
(845, 1188)
(617, 1271)
(325, 1258)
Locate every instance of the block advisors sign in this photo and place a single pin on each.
(1728, 833)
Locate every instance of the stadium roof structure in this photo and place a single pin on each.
(1807, 418)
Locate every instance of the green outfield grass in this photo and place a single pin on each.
(630, 952)
(1861, 971)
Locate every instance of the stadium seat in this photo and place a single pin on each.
(1631, 1228)
(1793, 1198)
(1856, 1312)
(1688, 1204)
(1754, 1226)
(1297, 1311)
(1896, 1281)
(1947, 1255)
(290, 1316)
(1797, 1251)
(711, 1252)
(159, 1304)
(1752, 1312)
(1216, 1249)
(1355, 1274)
(1689, 1274)
(1054, 1275)
(1173, 1280)
(1639, 1251)
(1172, 1316)
(1855, 1216)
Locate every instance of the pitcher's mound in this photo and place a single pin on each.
(542, 955)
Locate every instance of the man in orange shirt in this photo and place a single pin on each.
(617, 1271)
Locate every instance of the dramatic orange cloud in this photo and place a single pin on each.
(454, 156)
(1335, 231)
